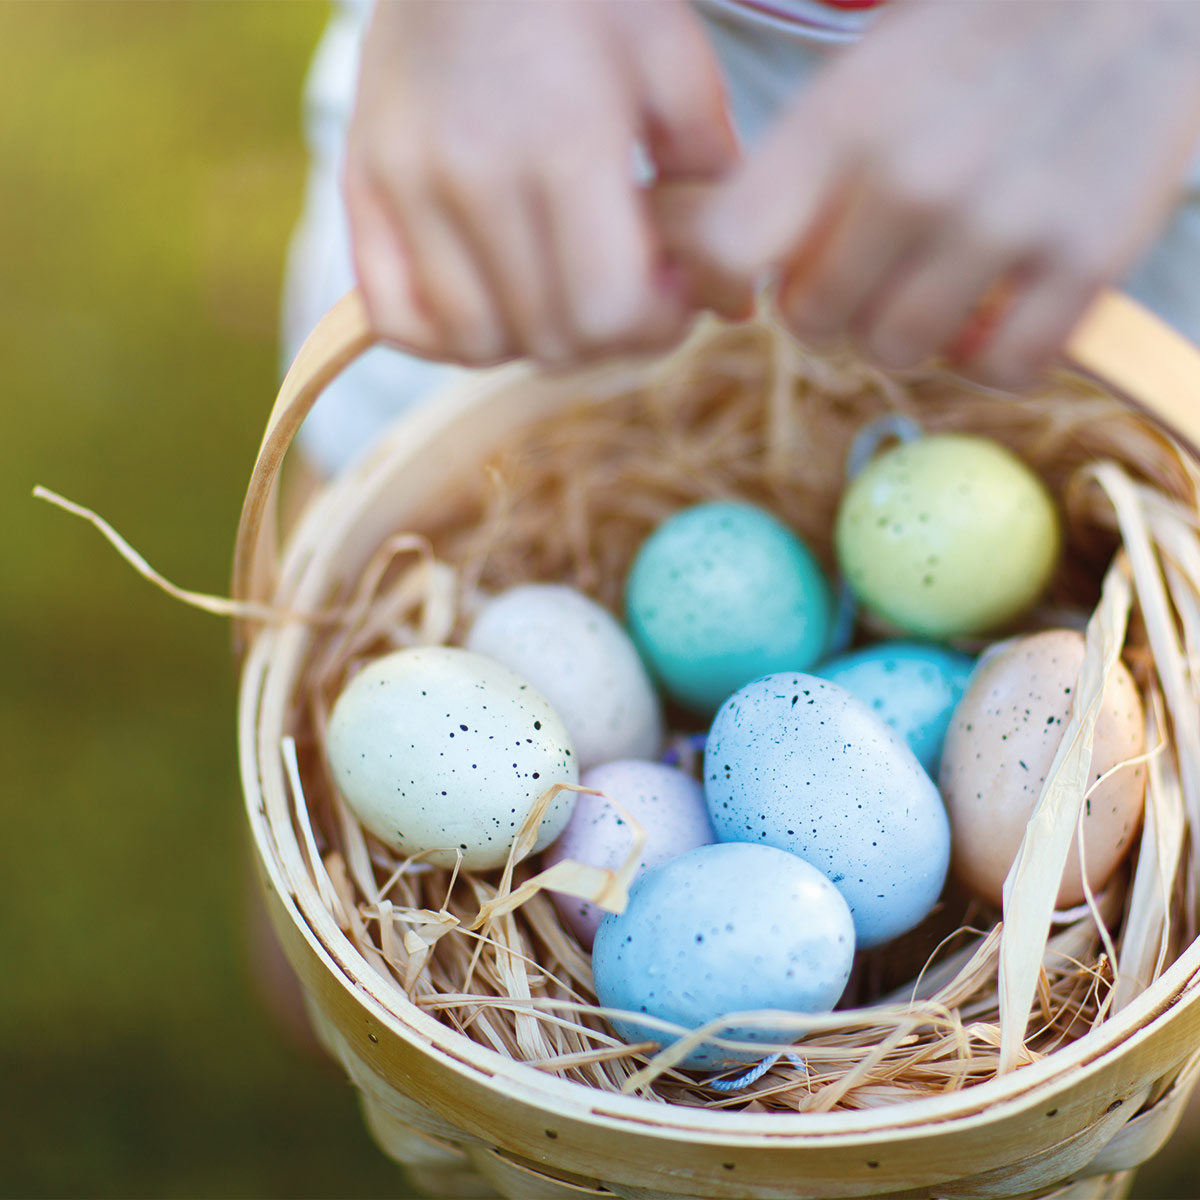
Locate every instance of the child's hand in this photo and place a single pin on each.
(964, 152)
(489, 174)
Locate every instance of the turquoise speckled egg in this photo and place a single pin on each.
(912, 686)
(721, 930)
(948, 534)
(722, 593)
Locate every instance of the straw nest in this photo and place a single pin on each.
(743, 412)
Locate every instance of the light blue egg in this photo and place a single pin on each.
(724, 929)
(796, 762)
(913, 686)
(722, 593)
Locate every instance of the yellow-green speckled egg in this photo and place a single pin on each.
(947, 534)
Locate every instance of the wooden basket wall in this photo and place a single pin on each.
(468, 1121)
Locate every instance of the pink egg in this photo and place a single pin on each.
(667, 803)
(1001, 743)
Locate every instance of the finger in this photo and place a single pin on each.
(925, 306)
(449, 279)
(774, 200)
(504, 230)
(1036, 327)
(858, 249)
(682, 99)
(606, 261)
(384, 274)
(676, 211)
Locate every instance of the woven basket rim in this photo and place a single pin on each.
(1175, 989)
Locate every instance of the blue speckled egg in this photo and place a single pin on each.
(722, 593)
(796, 762)
(913, 686)
(719, 930)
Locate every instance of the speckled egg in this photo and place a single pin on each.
(440, 749)
(666, 802)
(720, 930)
(721, 593)
(948, 534)
(998, 751)
(578, 656)
(912, 686)
(797, 762)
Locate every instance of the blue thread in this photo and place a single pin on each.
(672, 756)
(753, 1075)
(845, 614)
(872, 436)
(862, 450)
(756, 1073)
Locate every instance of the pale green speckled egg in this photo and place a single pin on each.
(948, 534)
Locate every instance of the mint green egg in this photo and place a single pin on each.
(946, 535)
(722, 593)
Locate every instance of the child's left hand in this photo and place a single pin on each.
(962, 152)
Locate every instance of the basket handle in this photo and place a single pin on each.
(1118, 342)
(340, 336)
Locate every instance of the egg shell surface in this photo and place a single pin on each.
(947, 534)
(719, 930)
(580, 658)
(721, 593)
(436, 748)
(1001, 743)
(798, 763)
(911, 686)
(667, 802)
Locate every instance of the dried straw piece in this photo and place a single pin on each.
(1033, 881)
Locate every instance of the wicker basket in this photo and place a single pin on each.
(465, 1119)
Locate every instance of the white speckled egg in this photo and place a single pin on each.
(948, 534)
(665, 801)
(912, 686)
(439, 749)
(719, 930)
(999, 748)
(798, 763)
(581, 659)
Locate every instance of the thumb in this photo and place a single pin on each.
(680, 91)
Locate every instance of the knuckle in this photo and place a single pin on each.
(609, 320)
(1080, 261)
(461, 161)
(993, 233)
(903, 340)
(394, 168)
(917, 196)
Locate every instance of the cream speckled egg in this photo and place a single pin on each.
(999, 748)
(581, 659)
(438, 749)
(948, 534)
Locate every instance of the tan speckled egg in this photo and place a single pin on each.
(1002, 740)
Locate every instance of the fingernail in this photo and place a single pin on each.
(550, 351)
(891, 352)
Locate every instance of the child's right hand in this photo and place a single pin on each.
(489, 177)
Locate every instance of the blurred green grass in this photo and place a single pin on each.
(150, 173)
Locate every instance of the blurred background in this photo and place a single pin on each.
(150, 173)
